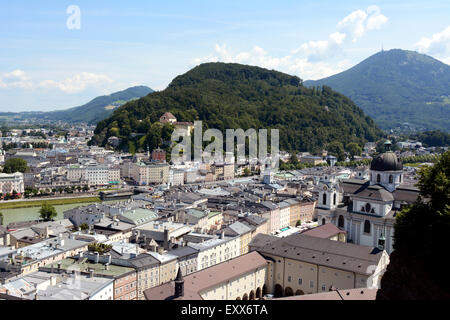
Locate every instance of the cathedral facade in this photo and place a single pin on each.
(366, 208)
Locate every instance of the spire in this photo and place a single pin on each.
(179, 284)
(179, 275)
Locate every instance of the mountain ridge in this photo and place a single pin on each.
(397, 86)
(91, 112)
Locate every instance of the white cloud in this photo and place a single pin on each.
(290, 63)
(308, 59)
(77, 83)
(446, 60)
(16, 79)
(359, 21)
(438, 44)
(338, 37)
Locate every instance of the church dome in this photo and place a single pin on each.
(387, 161)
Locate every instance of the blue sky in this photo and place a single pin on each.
(44, 65)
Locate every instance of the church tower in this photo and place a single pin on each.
(179, 284)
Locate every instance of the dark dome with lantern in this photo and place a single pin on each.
(387, 161)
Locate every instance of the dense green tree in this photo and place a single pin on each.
(293, 159)
(353, 149)
(336, 149)
(47, 212)
(434, 138)
(421, 237)
(15, 165)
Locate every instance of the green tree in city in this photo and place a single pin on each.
(336, 148)
(84, 226)
(294, 160)
(15, 165)
(1, 218)
(421, 237)
(353, 149)
(47, 212)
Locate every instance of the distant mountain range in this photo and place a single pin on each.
(396, 87)
(229, 95)
(91, 112)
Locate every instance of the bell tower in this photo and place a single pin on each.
(179, 284)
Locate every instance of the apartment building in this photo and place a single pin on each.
(217, 250)
(285, 214)
(11, 182)
(241, 278)
(168, 266)
(147, 268)
(29, 259)
(94, 175)
(125, 278)
(302, 264)
(145, 174)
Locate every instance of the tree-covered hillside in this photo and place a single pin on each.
(100, 107)
(238, 96)
(396, 87)
(91, 112)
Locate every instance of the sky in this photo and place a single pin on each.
(60, 54)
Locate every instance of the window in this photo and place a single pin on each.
(300, 281)
(323, 287)
(341, 221)
(311, 284)
(334, 199)
(289, 278)
(391, 179)
(368, 207)
(367, 226)
(378, 178)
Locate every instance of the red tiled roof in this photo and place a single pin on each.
(347, 294)
(325, 231)
(199, 281)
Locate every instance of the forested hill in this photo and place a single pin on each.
(396, 87)
(238, 96)
(98, 108)
(92, 112)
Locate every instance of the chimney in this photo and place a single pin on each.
(97, 257)
(166, 239)
(91, 273)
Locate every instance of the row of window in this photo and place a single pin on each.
(391, 178)
(367, 225)
(324, 199)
